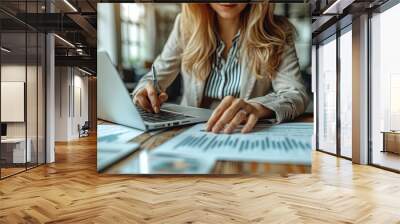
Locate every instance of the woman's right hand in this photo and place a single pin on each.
(148, 99)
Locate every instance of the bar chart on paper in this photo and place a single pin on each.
(285, 143)
(208, 143)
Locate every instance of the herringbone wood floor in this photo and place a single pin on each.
(70, 191)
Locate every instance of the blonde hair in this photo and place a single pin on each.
(262, 40)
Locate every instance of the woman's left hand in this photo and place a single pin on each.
(232, 112)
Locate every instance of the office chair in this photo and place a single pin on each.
(84, 130)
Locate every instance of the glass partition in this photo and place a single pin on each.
(22, 78)
(41, 96)
(31, 98)
(14, 144)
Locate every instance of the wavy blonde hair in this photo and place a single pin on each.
(262, 40)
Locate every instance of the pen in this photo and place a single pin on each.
(155, 81)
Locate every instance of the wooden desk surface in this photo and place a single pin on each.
(130, 164)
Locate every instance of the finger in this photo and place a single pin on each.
(251, 122)
(236, 121)
(163, 97)
(138, 93)
(229, 114)
(225, 103)
(143, 102)
(153, 97)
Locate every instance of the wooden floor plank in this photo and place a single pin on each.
(71, 191)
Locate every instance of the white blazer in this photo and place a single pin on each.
(286, 94)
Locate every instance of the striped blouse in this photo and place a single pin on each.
(225, 77)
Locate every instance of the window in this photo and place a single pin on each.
(346, 93)
(327, 96)
(334, 106)
(132, 33)
(385, 87)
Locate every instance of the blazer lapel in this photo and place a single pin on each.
(198, 91)
(246, 84)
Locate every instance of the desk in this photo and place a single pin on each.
(131, 163)
(391, 141)
(13, 150)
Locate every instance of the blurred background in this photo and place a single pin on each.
(134, 34)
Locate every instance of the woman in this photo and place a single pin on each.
(236, 58)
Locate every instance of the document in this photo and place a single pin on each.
(170, 164)
(110, 153)
(114, 133)
(113, 144)
(279, 143)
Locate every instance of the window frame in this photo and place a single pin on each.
(340, 31)
(378, 10)
(333, 37)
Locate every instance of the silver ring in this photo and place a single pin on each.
(244, 111)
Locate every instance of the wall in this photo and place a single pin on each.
(17, 73)
(14, 73)
(61, 103)
(33, 126)
(80, 109)
(71, 102)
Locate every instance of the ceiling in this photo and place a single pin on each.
(76, 22)
(73, 20)
(331, 15)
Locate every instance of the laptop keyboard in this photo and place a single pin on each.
(163, 116)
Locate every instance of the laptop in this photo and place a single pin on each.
(115, 104)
